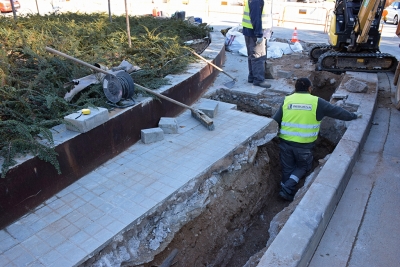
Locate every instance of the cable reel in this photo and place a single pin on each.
(118, 86)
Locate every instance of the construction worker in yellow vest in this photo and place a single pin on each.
(299, 120)
(257, 27)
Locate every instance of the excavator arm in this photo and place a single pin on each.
(366, 16)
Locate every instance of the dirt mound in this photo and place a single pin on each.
(300, 65)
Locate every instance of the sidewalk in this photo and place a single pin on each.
(100, 208)
(151, 189)
(363, 230)
(296, 242)
(85, 217)
(363, 227)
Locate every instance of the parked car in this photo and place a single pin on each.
(393, 13)
(5, 5)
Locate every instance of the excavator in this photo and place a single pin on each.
(354, 37)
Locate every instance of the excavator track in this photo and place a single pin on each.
(340, 62)
(317, 50)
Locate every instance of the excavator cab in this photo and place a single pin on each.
(343, 34)
(354, 37)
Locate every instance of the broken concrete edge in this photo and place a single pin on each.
(150, 234)
(250, 101)
(297, 241)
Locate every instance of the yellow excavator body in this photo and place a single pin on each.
(354, 38)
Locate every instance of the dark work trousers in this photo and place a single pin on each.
(256, 57)
(295, 162)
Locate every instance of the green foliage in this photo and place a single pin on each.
(19, 138)
(32, 80)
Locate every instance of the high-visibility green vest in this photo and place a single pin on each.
(299, 123)
(266, 17)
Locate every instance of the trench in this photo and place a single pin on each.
(246, 213)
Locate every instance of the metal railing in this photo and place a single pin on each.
(305, 15)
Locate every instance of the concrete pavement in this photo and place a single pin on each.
(363, 226)
(363, 229)
(167, 183)
(43, 239)
(297, 240)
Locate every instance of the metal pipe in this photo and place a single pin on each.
(106, 72)
(13, 9)
(109, 10)
(128, 29)
(37, 7)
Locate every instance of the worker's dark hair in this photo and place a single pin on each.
(302, 85)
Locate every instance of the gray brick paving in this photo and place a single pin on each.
(83, 217)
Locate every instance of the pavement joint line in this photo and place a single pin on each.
(113, 202)
(34, 216)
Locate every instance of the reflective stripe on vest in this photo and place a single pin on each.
(299, 123)
(266, 18)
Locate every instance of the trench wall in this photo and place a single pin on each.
(218, 195)
(207, 217)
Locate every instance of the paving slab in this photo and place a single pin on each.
(84, 217)
(361, 230)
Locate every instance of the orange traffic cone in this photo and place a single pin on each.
(155, 12)
(294, 36)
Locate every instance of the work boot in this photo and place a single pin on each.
(263, 84)
(250, 80)
(285, 194)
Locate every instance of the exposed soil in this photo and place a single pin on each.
(231, 233)
(324, 82)
(244, 219)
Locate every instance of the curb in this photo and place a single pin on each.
(298, 239)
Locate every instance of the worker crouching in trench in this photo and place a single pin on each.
(299, 119)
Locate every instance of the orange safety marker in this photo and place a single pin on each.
(155, 12)
(294, 36)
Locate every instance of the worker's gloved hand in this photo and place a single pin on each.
(260, 40)
(358, 114)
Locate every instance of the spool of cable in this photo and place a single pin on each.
(118, 86)
(112, 88)
(127, 84)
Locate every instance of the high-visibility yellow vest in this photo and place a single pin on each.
(299, 123)
(266, 16)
